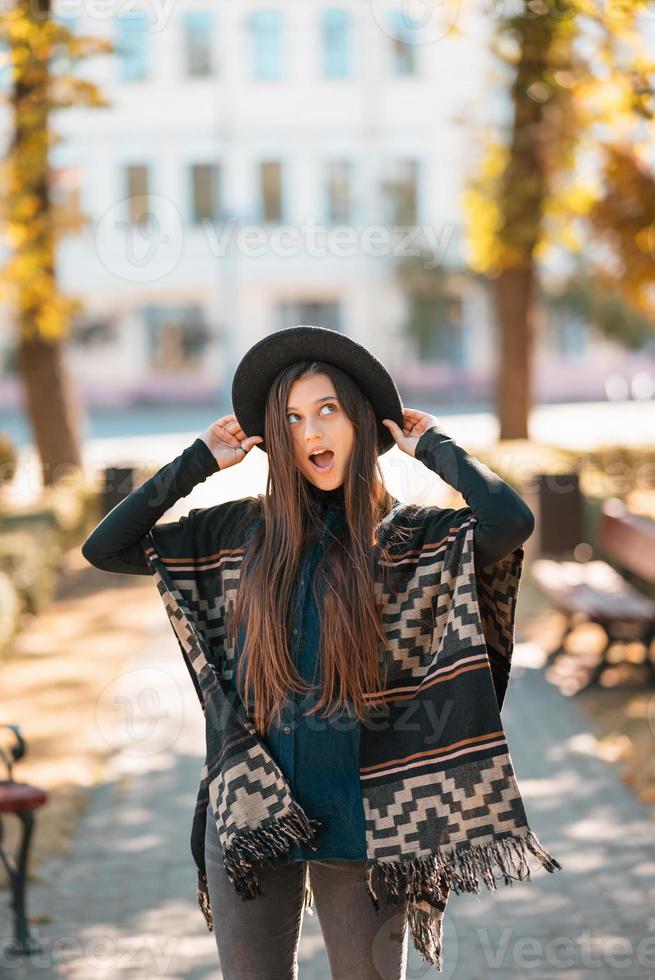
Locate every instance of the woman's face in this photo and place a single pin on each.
(318, 421)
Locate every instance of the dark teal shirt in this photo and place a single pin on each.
(318, 756)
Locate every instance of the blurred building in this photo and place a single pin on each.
(261, 166)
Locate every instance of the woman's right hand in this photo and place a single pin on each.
(224, 438)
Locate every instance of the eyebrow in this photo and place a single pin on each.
(325, 398)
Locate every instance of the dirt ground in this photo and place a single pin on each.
(54, 676)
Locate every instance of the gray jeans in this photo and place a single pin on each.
(258, 939)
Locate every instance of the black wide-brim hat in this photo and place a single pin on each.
(260, 365)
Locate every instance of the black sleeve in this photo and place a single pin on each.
(504, 519)
(114, 544)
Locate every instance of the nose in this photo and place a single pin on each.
(311, 435)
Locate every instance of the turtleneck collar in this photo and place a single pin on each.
(330, 499)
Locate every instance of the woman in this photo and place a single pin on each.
(302, 567)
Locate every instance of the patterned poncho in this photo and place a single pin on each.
(440, 796)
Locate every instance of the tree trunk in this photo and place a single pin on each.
(524, 191)
(514, 295)
(50, 406)
(48, 393)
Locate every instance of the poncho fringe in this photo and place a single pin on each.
(463, 869)
(259, 847)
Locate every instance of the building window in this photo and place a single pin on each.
(442, 336)
(266, 43)
(270, 191)
(197, 26)
(571, 337)
(204, 192)
(316, 313)
(136, 180)
(65, 196)
(177, 337)
(6, 73)
(336, 42)
(400, 192)
(338, 180)
(404, 33)
(132, 46)
(90, 332)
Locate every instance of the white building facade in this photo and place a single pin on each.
(265, 165)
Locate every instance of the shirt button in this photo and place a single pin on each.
(286, 729)
(295, 632)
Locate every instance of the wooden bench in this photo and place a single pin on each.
(22, 800)
(595, 591)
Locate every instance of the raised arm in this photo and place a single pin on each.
(114, 544)
(504, 519)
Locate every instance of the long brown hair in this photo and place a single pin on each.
(344, 582)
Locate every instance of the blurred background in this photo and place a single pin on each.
(467, 188)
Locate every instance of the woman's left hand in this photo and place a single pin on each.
(414, 425)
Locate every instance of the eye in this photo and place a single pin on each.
(325, 405)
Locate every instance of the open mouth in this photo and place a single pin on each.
(323, 461)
